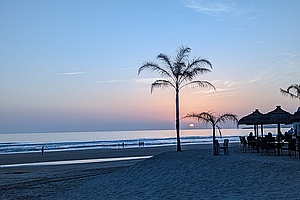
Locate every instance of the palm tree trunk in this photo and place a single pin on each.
(177, 120)
(214, 140)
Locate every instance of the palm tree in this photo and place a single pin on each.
(210, 118)
(178, 73)
(292, 91)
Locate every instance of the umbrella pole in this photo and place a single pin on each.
(255, 131)
(262, 130)
(278, 138)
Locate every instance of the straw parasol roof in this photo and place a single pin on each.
(278, 116)
(296, 116)
(252, 119)
(256, 118)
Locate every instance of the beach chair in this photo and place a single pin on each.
(265, 147)
(292, 147)
(243, 143)
(298, 148)
(225, 147)
(285, 147)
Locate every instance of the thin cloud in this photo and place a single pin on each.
(103, 82)
(290, 60)
(221, 8)
(125, 69)
(210, 7)
(71, 73)
(108, 81)
(145, 80)
(111, 81)
(223, 88)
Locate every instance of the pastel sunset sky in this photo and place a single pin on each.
(68, 65)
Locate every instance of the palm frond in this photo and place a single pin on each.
(205, 117)
(166, 60)
(227, 117)
(161, 84)
(190, 75)
(295, 87)
(210, 117)
(199, 62)
(202, 117)
(201, 84)
(154, 67)
(182, 53)
(199, 70)
(148, 66)
(194, 68)
(219, 129)
(292, 91)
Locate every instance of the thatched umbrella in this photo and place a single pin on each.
(296, 116)
(296, 121)
(278, 116)
(256, 118)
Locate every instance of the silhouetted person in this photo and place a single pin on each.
(270, 138)
(251, 140)
(250, 137)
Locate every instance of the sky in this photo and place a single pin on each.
(68, 65)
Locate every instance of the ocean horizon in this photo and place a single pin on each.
(63, 141)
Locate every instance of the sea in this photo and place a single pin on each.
(65, 141)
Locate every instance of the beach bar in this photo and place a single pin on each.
(277, 116)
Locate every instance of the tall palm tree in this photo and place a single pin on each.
(292, 91)
(178, 73)
(210, 118)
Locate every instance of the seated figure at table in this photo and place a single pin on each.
(270, 138)
(250, 136)
(271, 141)
(251, 140)
(288, 136)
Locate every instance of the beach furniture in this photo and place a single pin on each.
(291, 147)
(266, 146)
(298, 148)
(285, 145)
(244, 143)
(252, 144)
(263, 146)
(224, 147)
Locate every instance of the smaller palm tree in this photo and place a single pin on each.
(292, 91)
(214, 120)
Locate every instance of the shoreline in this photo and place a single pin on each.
(101, 153)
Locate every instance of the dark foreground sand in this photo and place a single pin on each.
(37, 182)
(191, 174)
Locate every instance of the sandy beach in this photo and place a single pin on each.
(193, 173)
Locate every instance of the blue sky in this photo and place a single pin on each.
(72, 65)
